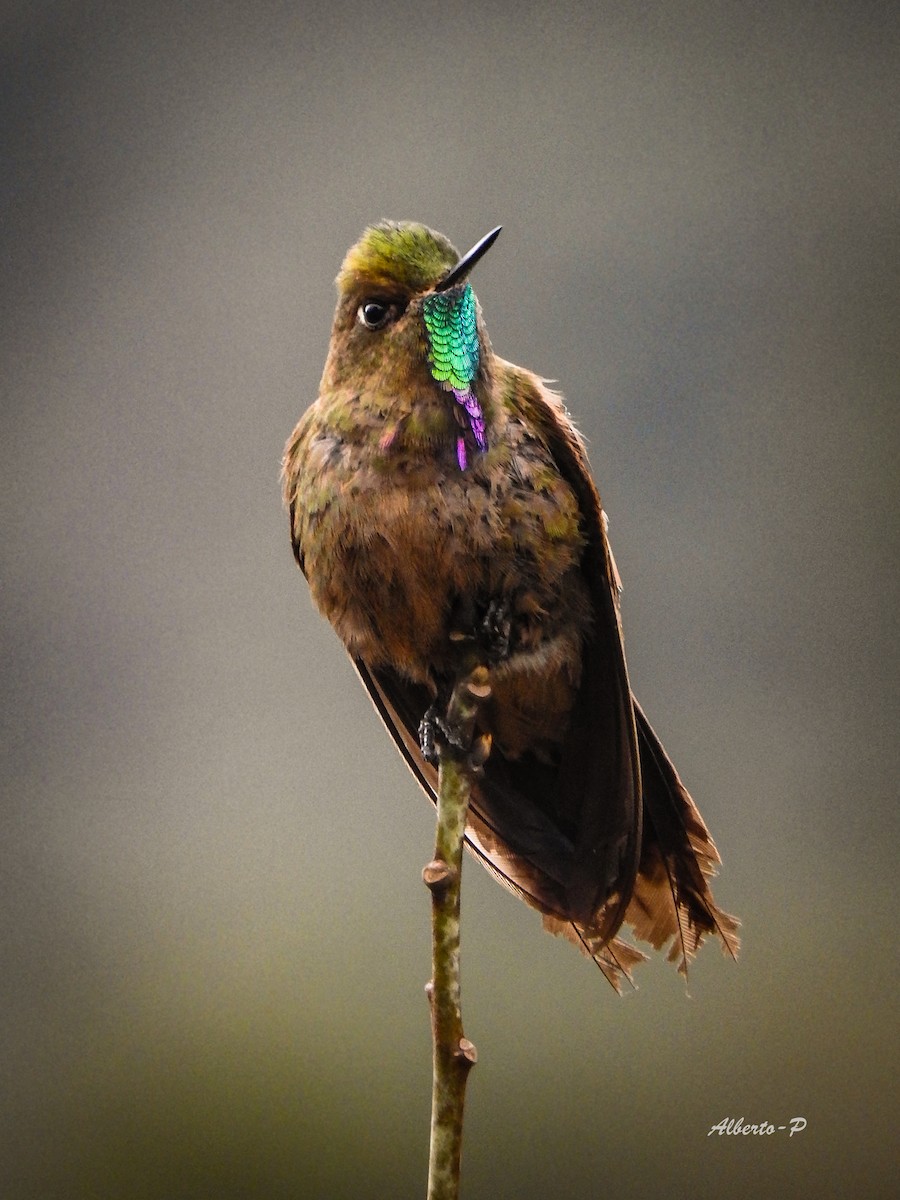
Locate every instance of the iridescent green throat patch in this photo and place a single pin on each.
(453, 353)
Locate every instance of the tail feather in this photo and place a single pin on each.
(614, 957)
(672, 900)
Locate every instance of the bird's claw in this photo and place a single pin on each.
(435, 730)
(455, 727)
(488, 632)
(494, 631)
(427, 736)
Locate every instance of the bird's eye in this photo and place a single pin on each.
(374, 314)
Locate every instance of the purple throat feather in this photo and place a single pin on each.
(469, 401)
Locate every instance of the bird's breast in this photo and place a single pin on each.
(396, 546)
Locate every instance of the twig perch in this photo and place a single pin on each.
(453, 1055)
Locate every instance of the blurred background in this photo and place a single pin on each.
(214, 934)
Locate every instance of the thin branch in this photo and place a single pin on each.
(453, 1055)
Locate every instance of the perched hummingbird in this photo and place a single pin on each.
(440, 496)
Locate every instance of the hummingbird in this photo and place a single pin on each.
(439, 498)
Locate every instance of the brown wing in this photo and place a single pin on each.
(669, 897)
(599, 785)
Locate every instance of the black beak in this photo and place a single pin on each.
(468, 261)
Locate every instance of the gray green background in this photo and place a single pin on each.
(214, 936)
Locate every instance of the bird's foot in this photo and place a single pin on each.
(436, 730)
(493, 632)
(487, 632)
(452, 725)
(431, 733)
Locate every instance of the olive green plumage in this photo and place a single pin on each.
(397, 254)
